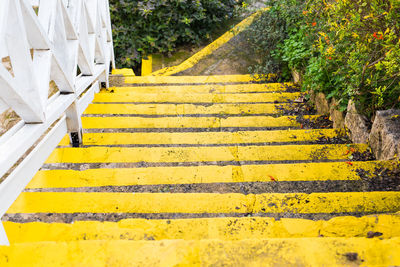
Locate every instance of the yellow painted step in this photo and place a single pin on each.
(191, 122)
(297, 203)
(265, 252)
(125, 72)
(200, 154)
(185, 109)
(202, 174)
(240, 137)
(192, 79)
(204, 88)
(204, 228)
(105, 97)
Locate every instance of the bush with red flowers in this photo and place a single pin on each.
(345, 49)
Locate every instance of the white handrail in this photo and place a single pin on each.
(65, 41)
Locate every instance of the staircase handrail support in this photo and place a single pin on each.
(65, 41)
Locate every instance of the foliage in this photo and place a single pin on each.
(264, 35)
(295, 50)
(268, 34)
(347, 49)
(359, 42)
(152, 26)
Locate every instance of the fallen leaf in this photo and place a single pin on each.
(273, 178)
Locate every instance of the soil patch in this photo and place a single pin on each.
(381, 179)
(116, 217)
(321, 122)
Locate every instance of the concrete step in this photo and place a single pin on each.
(270, 153)
(194, 79)
(180, 175)
(382, 226)
(207, 203)
(250, 252)
(208, 123)
(210, 139)
(185, 109)
(205, 88)
(128, 97)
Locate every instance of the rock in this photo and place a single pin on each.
(297, 77)
(312, 95)
(357, 124)
(336, 115)
(321, 104)
(323, 107)
(385, 134)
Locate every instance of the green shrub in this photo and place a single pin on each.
(359, 42)
(264, 35)
(347, 49)
(154, 26)
(268, 34)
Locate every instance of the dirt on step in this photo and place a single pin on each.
(381, 179)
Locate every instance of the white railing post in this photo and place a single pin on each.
(3, 236)
(74, 125)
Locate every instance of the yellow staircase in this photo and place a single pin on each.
(203, 171)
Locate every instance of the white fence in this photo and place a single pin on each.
(68, 42)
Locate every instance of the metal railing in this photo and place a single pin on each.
(63, 42)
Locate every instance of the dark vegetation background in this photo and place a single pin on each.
(143, 27)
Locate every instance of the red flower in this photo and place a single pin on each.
(314, 24)
(380, 37)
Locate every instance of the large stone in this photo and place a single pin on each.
(385, 134)
(297, 77)
(336, 115)
(321, 104)
(357, 124)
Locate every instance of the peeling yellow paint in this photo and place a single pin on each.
(201, 154)
(205, 228)
(219, 79)
(334, 171)
(197, 138)
(297, 203)
(194, 98)
(184, 109)
(190, 122)
(204, 88)
(250, 252)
